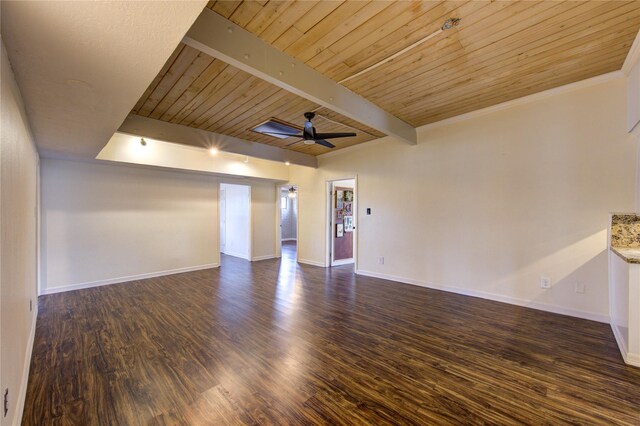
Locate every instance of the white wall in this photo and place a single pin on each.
(238, 220)
(18, 195)
(488, 205)
(633, 97)
(104, 223)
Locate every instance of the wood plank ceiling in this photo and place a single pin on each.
(500, 51)
(194, 89)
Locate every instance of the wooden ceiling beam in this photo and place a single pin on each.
(156, 129)
(222, 39)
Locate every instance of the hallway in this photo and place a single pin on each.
(289, 251)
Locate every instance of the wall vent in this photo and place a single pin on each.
(274, 127)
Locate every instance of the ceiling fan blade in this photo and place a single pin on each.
(294, 135)
(324, 143)
(293, 143)
(334, 135)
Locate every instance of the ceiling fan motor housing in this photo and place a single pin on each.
(309, 132)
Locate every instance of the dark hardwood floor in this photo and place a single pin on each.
(273, 342)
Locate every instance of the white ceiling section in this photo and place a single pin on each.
(82, 66)
(161, 130)
(126, 148)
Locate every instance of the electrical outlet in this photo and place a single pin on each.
(6, 401)
(580, 287)
(381, 260)
(545, 282)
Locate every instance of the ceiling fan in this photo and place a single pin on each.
(309, 135)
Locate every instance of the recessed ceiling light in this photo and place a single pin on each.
(213, 151)
(286, 163)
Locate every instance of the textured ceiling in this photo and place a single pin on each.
(81, 66)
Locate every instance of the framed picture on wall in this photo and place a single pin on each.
(339, 230)
(348, 224)
(348, 196)
(347, 208)
(339, 214)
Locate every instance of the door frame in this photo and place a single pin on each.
(279, 188)
(329, 202)
(222, 192)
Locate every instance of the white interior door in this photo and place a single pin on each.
(236, 219)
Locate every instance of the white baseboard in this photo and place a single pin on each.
(22, 392)
(631, 359)
(99, 283)
(490, 296)
(312, 262)
(289, 239)
(265, 257)
(343, 262)
(622, 345)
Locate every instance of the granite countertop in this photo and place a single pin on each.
(625, 236)
(628, 254)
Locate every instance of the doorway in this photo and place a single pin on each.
(288, 202)
(342, 235)
(235, 220)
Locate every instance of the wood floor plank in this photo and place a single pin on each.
(275, 342)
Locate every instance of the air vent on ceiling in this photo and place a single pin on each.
(275, 127)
